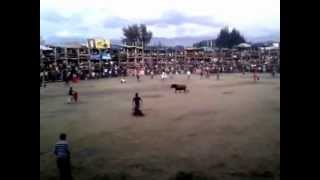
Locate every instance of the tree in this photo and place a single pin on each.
(236, 38)
(137, 35)
(222, 40)
(131, 34)
(144, 35)
(228, 39)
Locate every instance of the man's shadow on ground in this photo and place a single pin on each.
(138, 112)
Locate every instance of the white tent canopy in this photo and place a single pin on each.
(271, 48)
(44, 48)
(275, 45)
(244, 45)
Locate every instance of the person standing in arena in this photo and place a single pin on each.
(136, 102)
(218, 73)
(273, 72)
(73, 95)
(207, 72)
(61, 150)
(255, 75)
(188, 74)
(138, 76)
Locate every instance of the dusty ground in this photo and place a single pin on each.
(226, 129)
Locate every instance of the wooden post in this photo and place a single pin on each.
(142, 59)
(89, 58)
(135, 57)
(118, 56)
(66, 56)
(100, 62)
(127, 56)
(175, 55)
(41, 58)
(157, 55)
(55, 54)
(78, 55)
(89, 61)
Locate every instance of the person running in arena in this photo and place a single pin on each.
(138, 77)
(136, 102)
(73, 95)
(255, 75)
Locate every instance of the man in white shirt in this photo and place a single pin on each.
(93, 74)
(188, 74)
(163, 75)
(105, 73)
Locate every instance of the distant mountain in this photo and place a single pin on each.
(54, 40)
(189, 41)
(265, 38)
(116, 41)
(183, 41)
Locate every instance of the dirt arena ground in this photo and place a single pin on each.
(226, 129)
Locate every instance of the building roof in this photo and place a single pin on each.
(194, 49)
(271, 48)
(127, 46)
(44, 48)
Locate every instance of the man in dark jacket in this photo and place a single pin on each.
(136, 101)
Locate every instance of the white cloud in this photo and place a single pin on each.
(64, 33)
(249, 16)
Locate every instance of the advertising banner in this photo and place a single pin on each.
(102, 43)
(99, 43)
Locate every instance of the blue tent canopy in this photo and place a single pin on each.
(105, 56)
(99, 57)
(95, 57)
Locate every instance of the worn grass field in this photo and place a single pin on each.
(226, 129)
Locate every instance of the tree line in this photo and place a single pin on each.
(227, 39)
(138, 35)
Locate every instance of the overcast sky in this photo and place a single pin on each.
(165, 18)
